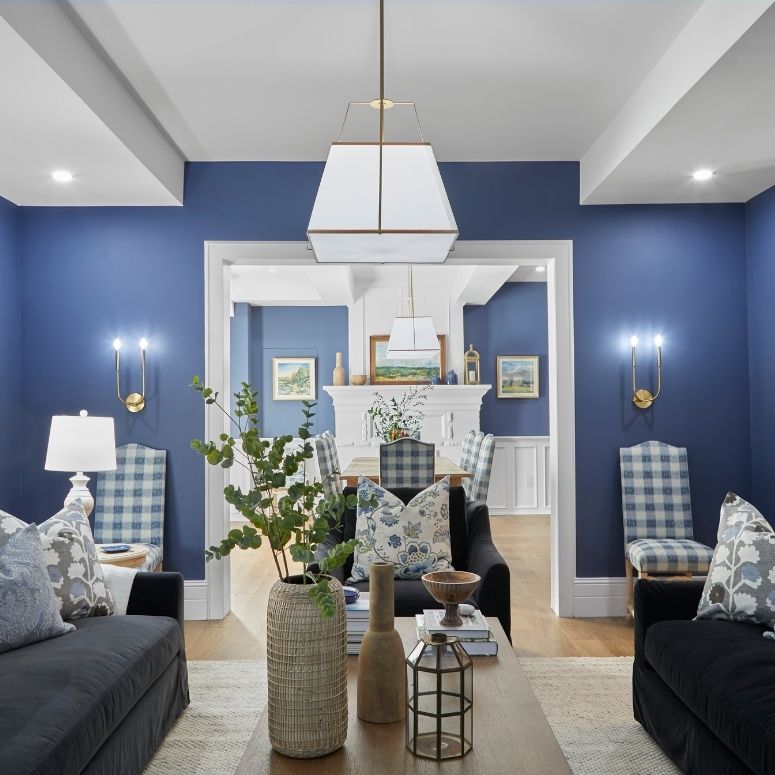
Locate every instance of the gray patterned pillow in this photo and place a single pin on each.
(73, 567)
(28, 607)
(735, 512)
(741, 581)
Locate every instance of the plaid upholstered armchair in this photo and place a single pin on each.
(657, 512)
(129, 503)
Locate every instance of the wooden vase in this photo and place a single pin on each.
(338, 377)
(306, 660)
(381, 668)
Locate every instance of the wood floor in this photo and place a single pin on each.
(536, 631)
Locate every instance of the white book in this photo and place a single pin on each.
(475, 647)
(474, 626)
(360, 608)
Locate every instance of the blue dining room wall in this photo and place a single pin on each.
(513, 322)
(10, 358)
(90, 274)
(278, 332)
(760, 250)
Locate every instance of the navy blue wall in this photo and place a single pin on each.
(513, 322)
(278, 332)
(239, 355)
(10, 358)
(90, 274)
(760, 247)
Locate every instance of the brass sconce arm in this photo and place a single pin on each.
(641, 397)
(134, 402)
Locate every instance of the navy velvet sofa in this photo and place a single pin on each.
(98, 700)
(472, 550)
(703, 690)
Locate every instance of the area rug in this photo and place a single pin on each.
(586, 700)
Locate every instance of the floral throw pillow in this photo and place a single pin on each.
(741, 581)
(414, 537)
(71, 558)
(735, 512)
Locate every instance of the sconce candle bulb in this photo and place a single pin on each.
(116, 344)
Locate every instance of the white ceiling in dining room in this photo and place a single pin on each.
(638, 91)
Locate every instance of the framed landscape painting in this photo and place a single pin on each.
(517, 376)
(405, 371)
(293, 379)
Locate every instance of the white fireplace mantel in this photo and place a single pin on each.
(450, 411)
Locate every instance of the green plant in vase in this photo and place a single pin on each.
(396, 418)
(294, 518)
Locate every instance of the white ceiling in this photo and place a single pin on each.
(640, 91)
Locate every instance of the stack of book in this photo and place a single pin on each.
(474, 634)
(357, 623)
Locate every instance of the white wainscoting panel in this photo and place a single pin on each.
(520, 481)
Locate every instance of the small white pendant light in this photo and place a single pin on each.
(381, 202)
(412, 336)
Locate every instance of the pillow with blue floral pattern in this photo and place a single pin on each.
(414, 537)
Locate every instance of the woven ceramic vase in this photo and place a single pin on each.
(381, 669)
(306, 659)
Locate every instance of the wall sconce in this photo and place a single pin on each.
(134, 402)
(641, 397)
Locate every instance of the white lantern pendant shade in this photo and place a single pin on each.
(417, 221)
(412, 337)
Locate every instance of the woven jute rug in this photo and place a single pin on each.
(587, 702)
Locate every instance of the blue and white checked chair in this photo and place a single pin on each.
(479, 483)
(471, 444)
(129, 502)
(407, 463)
(657, 512)
(328, 464)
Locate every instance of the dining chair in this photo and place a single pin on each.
(480, 481)
(328, 464)
(657, 514)
(407, 463)
(129, 502)
(468, 458)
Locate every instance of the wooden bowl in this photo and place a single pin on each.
(357, 379)
(450, 588)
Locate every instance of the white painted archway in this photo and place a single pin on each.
(557, 256)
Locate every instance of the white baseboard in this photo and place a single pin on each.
(599, 597)
(195, 599)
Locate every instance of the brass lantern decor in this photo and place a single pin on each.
(472, 376)
(439, 705)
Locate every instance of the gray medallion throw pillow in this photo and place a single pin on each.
(29, 611)
(71, 556)
(741, 581)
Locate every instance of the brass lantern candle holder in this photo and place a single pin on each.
(471, 358)
(439, 705)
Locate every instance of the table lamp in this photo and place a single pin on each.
(81, 444)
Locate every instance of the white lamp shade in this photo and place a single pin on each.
(412, 337)
(81, 444)
(417, 222)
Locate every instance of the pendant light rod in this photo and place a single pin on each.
(381, 104)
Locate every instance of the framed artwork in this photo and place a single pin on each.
(405, 371)
(293, 379)
(517, 376)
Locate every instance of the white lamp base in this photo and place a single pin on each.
(80, 492)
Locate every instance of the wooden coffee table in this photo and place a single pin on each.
(511, 734)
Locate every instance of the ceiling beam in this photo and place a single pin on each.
(709, 34)
(48, 28)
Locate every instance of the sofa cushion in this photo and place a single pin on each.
(71, 556)
(724, 673)
(61, 699)
(413, 536)
(28, 607)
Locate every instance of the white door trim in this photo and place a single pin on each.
(557, 256)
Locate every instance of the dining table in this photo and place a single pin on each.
(368, 467)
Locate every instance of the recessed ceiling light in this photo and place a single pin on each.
(62, 176)
(540, 269)
(703, 175)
